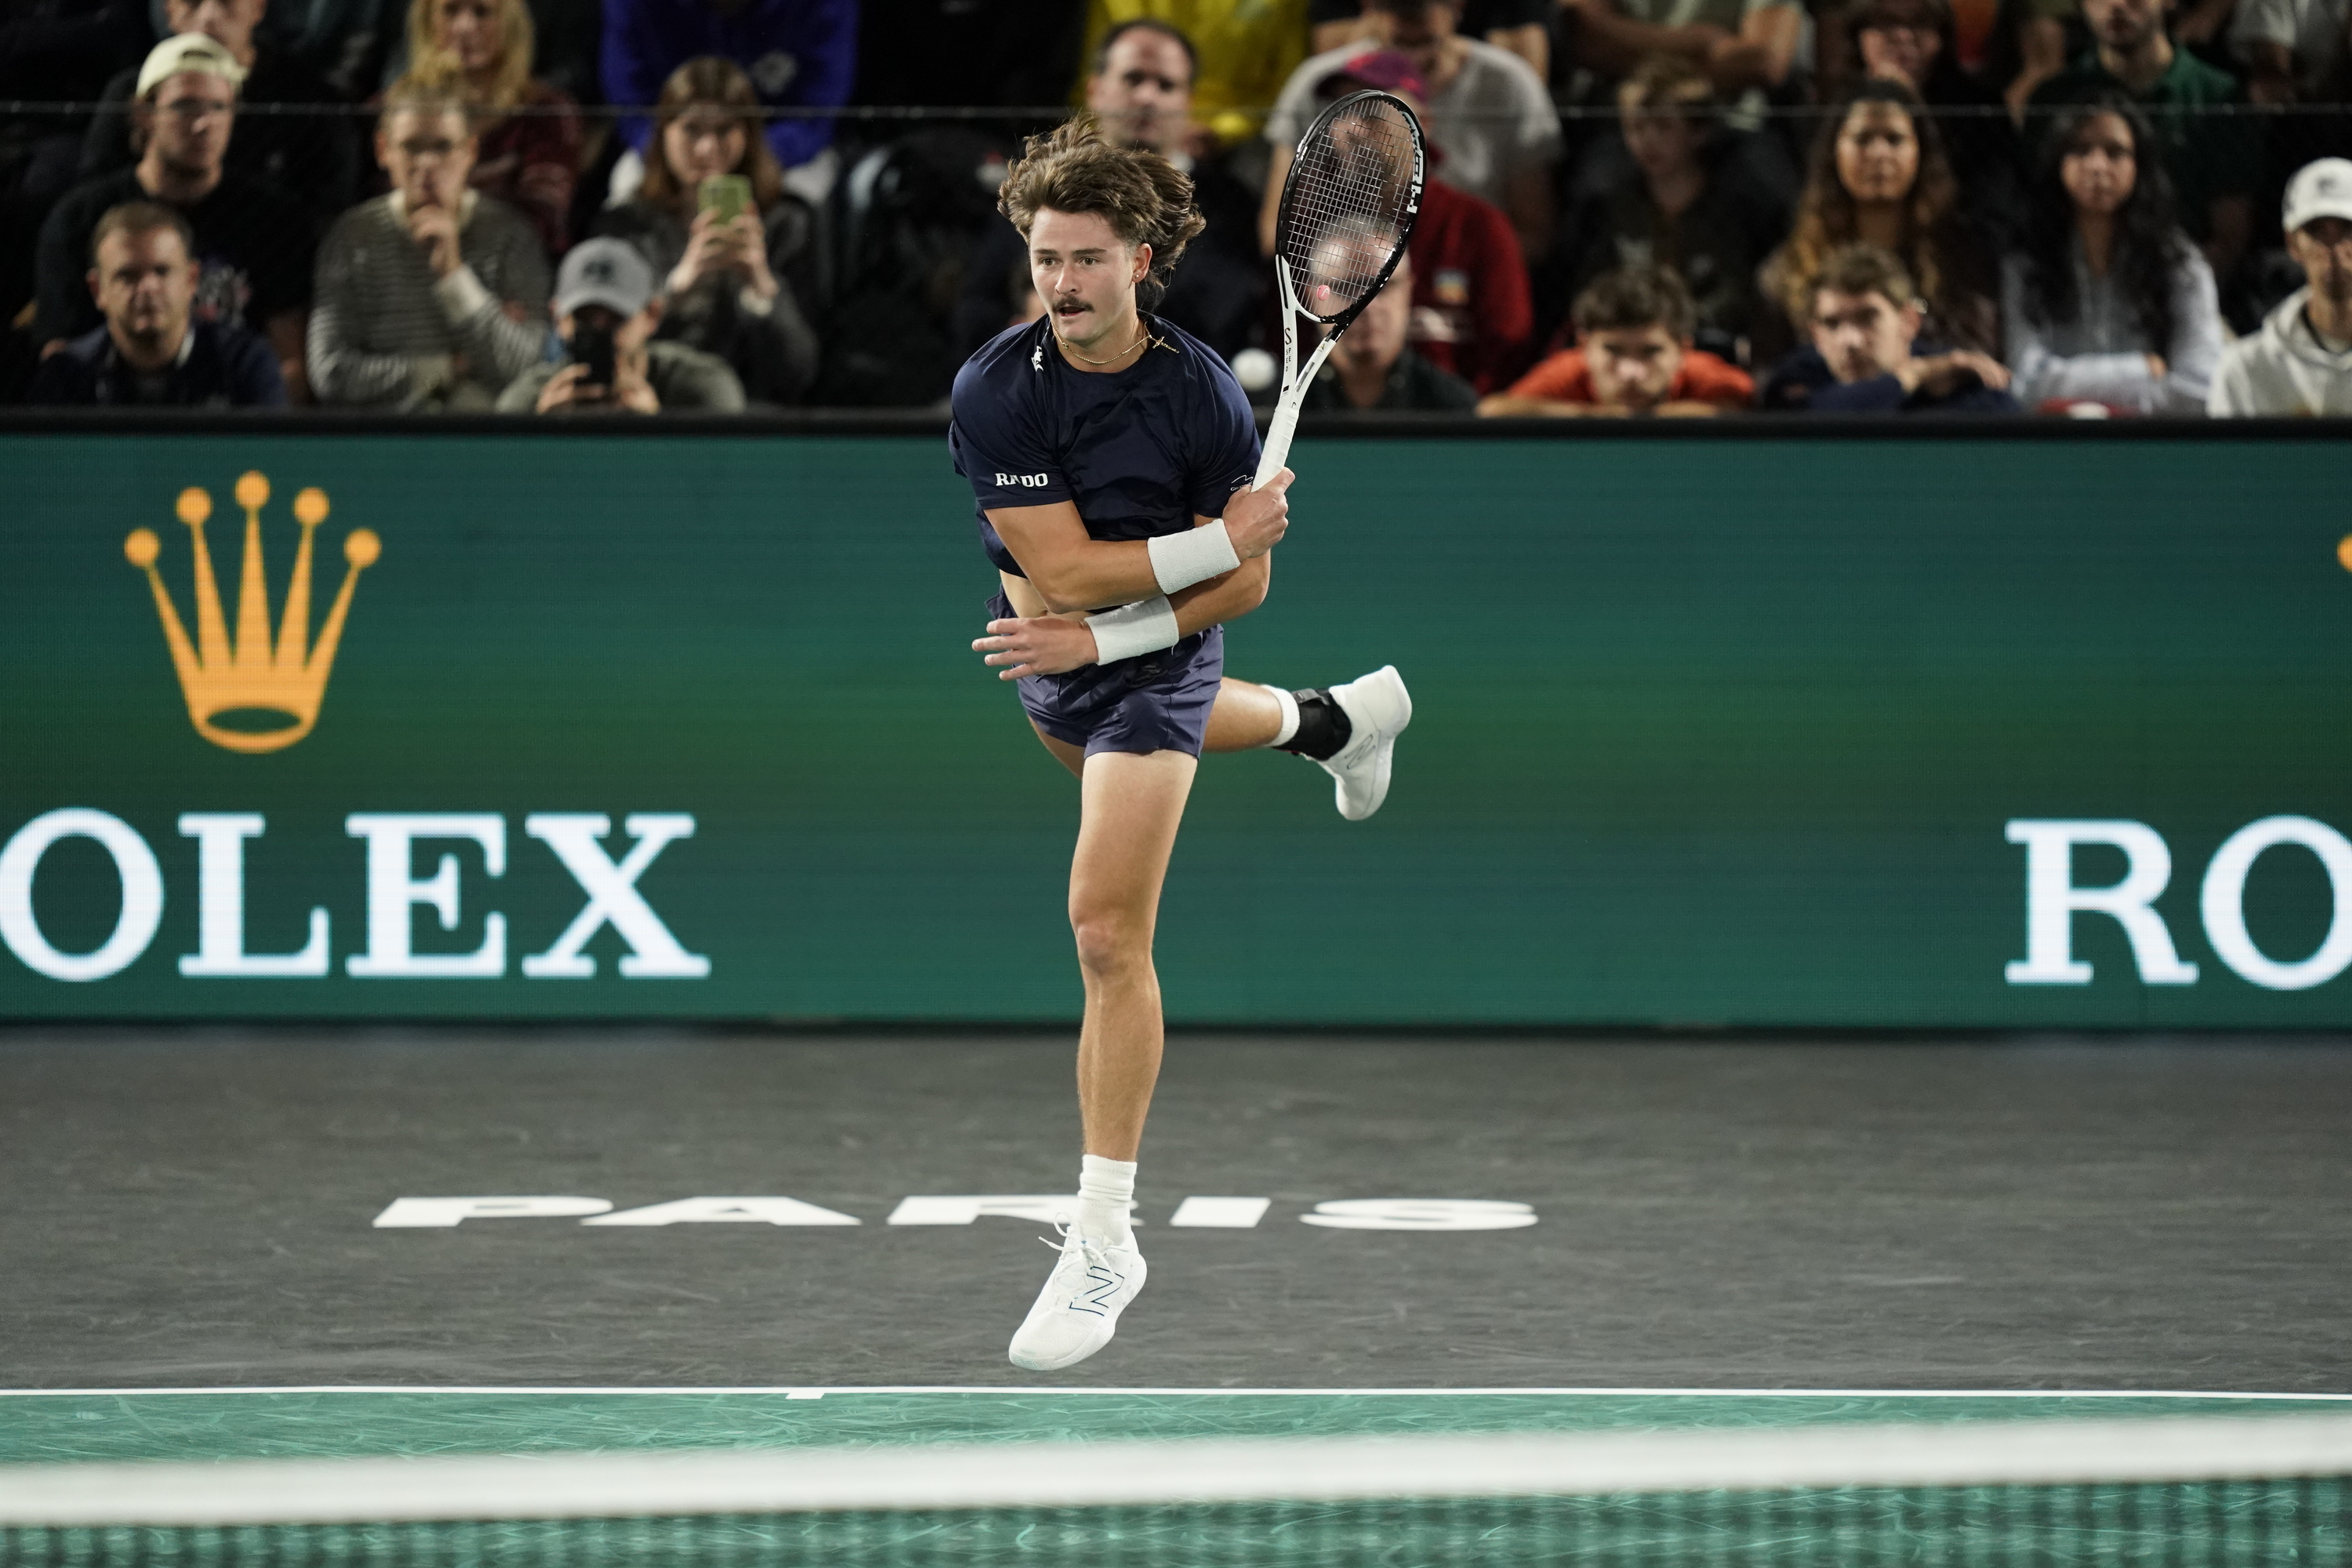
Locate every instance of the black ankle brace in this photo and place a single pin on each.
(1323, 726)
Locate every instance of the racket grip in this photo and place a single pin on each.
(1278, 441)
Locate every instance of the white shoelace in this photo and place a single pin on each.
(1093, 1251)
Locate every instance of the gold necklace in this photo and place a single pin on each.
(1142, 334)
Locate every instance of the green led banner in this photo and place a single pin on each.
(1859, 731)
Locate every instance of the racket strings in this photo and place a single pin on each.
(1351, 195)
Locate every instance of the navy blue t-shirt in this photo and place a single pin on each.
(1141, 451)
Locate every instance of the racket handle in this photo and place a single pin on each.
(1278, 439)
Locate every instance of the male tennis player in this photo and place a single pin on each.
(1110, 454)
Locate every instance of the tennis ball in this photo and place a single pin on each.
(1254, 368)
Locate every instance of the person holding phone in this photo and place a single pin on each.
(712, 220)
(607, 313)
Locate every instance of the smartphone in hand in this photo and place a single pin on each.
(728, 195)
(591, 346)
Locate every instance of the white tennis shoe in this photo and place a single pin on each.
(1078, 1312)
(1378, 708)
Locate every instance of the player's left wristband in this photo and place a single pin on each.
(1145, 627)
(1195, 556)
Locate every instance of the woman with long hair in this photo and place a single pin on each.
(1916, 42)
(1878, 177)
(528, 131)
(724, 271)
(2108, 301)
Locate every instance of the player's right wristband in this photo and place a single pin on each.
(1195, 556)
(1145, 627)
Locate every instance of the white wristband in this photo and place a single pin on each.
(1145, 627)
(1195, 556)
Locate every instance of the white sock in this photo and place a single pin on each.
(1289, 715)
(1105, 1188)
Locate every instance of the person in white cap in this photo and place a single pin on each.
(253, 245)
(606, 311)
(2301, 359)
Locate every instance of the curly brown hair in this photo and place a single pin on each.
(707, 80)
(1146, 199)
(1932, 246)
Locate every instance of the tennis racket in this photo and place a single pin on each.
(1347, 207)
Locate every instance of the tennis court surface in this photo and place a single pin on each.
(1772, 1299)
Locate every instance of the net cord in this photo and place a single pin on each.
(1123, 1473)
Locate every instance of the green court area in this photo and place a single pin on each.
(42, 1428)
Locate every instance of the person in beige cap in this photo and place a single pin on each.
(2300, 363)
(253, 245)
(310, 157)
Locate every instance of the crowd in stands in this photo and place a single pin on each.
(1633, 207)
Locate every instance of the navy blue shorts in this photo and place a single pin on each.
(1154, 702)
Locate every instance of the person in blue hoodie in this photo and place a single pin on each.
(1866, 355)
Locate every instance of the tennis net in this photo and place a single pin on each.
(2221, 1491)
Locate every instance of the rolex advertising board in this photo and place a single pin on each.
(1854, 731)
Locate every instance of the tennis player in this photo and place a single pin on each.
(1111, 454)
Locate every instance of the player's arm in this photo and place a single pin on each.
(1071, 571)
(1225, 598)
(1051, 644)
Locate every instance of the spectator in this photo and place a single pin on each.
(2298, 56)
(1681, 206)
(1877, 174)
(312, 158)
(527, 132)
(1522, 26)
(1242, 53)
(605, 289)
(429, 297)
(1867, 357)
(1742, 45)
(153, 351)
(1633, 355)
(1488, 111)
(2300, 362)
(723, 287)
(253, 245)
(1471, 312)
(2295, 50)
(1373, 370)
(2108, 303)
(799, 55)
(1916, 42)
(2214, 158)
(2002, 50)
(1142, 90)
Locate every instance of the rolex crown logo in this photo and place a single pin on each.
(253, 680)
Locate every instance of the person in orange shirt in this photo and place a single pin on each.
(1633, 355)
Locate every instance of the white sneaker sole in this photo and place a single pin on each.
(1378, 708)
(1046, 1342)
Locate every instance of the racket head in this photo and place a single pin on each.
(1349, 205)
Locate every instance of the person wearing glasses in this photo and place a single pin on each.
(253, 243)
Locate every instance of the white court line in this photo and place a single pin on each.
(806, 1390)
(1053, 1475)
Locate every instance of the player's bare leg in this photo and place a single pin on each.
(1349, 731)
(1126, 830)
(1130, 807)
